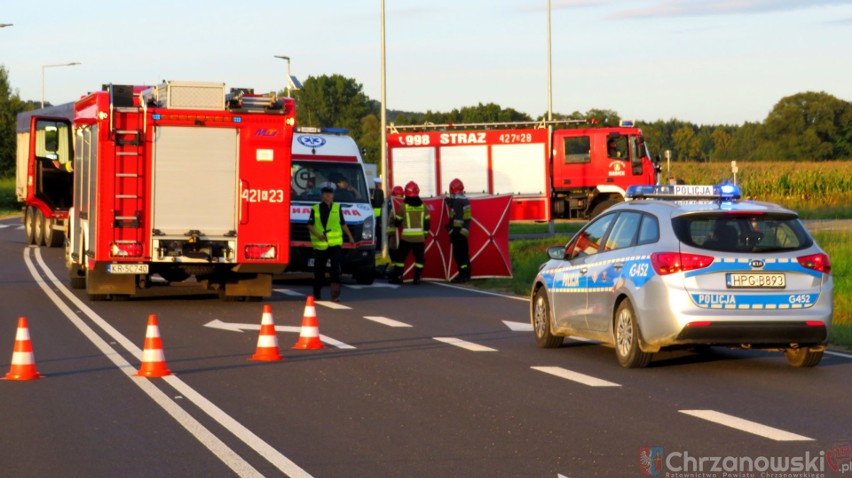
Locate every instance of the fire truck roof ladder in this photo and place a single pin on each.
(127, 129)
(393, 128)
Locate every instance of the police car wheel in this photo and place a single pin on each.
(803, 357)
(627, 338)
(541, 322)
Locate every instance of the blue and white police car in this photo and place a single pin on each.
(688, 265)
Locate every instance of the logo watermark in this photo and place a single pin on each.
(654, 461)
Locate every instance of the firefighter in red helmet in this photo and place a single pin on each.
(391, 230)
(415, 226)
(459, 229)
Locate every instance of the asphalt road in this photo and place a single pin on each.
(423, 381)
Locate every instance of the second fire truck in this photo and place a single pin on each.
(174, 182)
(563, 173)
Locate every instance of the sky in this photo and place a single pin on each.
(703, 61)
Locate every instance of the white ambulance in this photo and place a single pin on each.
(320, 155)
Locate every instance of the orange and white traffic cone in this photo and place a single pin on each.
(153, 358)
(267, 341)
(309, 335)
(23, 361)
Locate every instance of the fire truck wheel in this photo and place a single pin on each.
(29, 223)
(38, 227)
(77, 277)
(602, 206)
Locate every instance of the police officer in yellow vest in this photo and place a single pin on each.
(327, 226)
(415, 226)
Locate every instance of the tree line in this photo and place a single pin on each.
(809, 126)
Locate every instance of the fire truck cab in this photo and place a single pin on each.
(177, 183)
(571, 173)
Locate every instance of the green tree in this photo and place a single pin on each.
(809, 126)
(722, 142)
(686, 145)
(10, 106)
(332, 101)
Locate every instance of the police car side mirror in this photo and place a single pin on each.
(556, 252)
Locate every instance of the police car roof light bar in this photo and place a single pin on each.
(724, 192)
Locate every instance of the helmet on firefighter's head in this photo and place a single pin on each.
(327, 187)
(456, 186)
(412, 189)
(397, 191)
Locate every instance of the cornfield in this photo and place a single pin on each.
(819, 190)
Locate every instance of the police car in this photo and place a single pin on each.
(688, 266)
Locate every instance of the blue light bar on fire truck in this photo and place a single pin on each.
(315, 130)
(723, 192)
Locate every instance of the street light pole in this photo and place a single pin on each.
(52, 66)
(383, 141)
(288, 71)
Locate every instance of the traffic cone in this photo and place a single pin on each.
(153, 358)
(267, 341)
(309, 335)
(23, 361)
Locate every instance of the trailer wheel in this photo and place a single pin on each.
(38, 227)
(52, 237)
(29, 224)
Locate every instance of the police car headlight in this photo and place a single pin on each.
(367, 232)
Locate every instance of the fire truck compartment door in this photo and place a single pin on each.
(195, 180)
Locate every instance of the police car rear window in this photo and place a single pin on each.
(742, 232)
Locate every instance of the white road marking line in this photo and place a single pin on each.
(838, 354)
(228, 456)
(291, 293)
(332, 305)
(518, 326)
(745, 425)
(453, 286)
(377, 285)
(576, 377)
(386, 321)
(230, 326)
(464, 344)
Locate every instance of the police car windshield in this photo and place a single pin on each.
(307, 176)
(742, 232)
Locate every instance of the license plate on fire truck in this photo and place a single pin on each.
(127, 268)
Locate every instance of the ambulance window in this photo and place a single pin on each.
(577, 149)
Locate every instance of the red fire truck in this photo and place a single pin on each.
(168, 182)
(569, 173)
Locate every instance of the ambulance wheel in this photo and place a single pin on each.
(365, 276)
(541, 322)
(52, 237)
(627, 338)
(38, 227)
(803, 357)
(29, 223)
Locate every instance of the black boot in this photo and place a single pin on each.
(335, 291)
(417, 273)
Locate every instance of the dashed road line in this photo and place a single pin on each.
(747, 426)
(291, 293)
(576, 377)
(386, 321)
(464, 344)
(332, 305)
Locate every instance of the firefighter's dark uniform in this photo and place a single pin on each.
(459, 227)
(415, 226)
